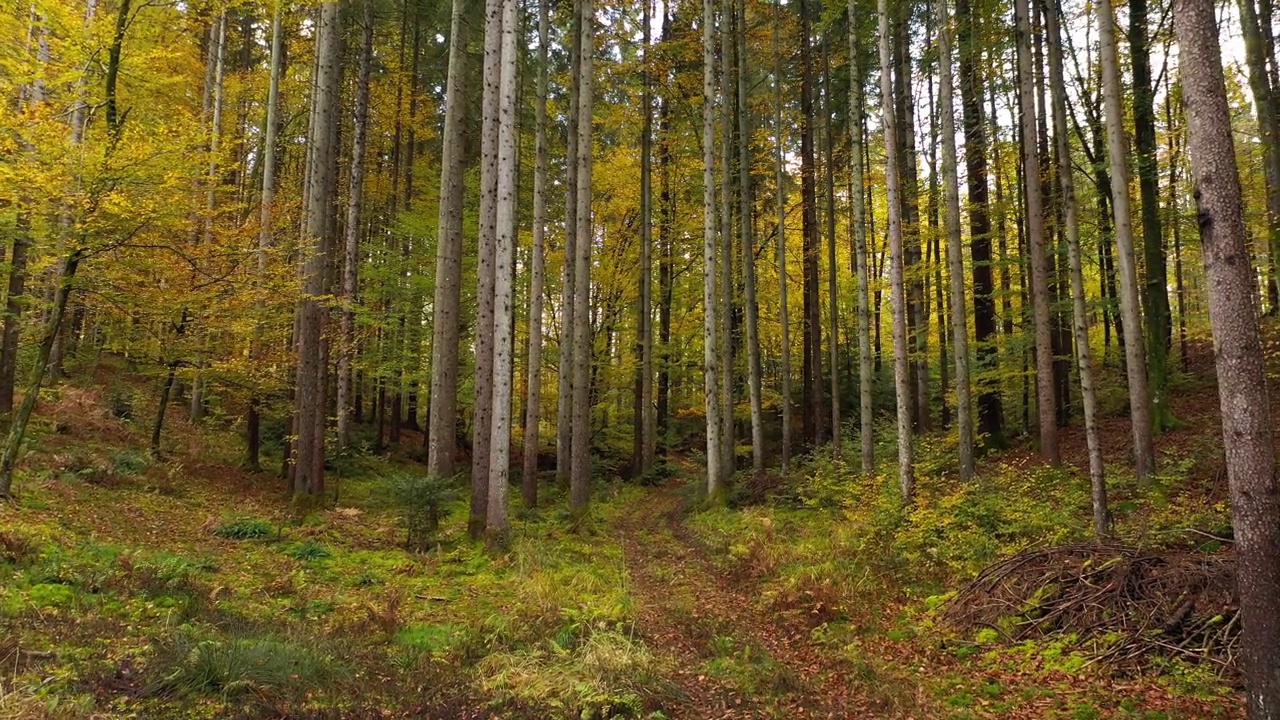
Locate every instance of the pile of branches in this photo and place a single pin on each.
(1123, 605)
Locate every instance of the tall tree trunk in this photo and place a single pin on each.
(747, 227)
(212, 181)
(990, 413)
(1135, 353)
(442, 413)
(580, 474)
(865, 369)
(1268, 129)
(482, 416)
(666, 217)
(1036, 241)
(309, 409)
(781, 207)
(355, 196)
(1242, 382)
(814, 415)
(728, 88)
(955, 260)
(266, 230)
(901, 351)
(908, 176)
(496, 527)
(1156, 298)
(1080, 311)
(569, 270)
(533, 390)
(828, 177)
(710, 354)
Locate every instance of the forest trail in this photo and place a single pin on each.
(731, 658)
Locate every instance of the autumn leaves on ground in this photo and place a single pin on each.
(186, 588)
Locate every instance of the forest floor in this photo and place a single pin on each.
(188, 588)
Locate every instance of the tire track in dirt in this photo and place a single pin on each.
(686, 603)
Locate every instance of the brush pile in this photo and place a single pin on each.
(1121, 604)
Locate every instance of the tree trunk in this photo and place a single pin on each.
(355, 196)
(901, 351)
(442, 412)
(533, 390)
(569, 270)
(1135, 354)
(1242, 382)
(1156, 298)
(482, 415)
(833, 346)
(1079, 307)
(580, 473)
(1036, 242)
(747, 220)
(781, 203)
(310, 410)
(728, 86)
(496, 527)
(710, 356)
(955, 261)
(865, 369)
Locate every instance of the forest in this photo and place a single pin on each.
(437, 359)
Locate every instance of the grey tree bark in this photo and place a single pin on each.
(901, 350)
(1037, 242)
(442, 413)
(955, 259)
(496, 527)
(1242, 382)
(1079, 306)
(865, 359)
(351, 245)
(533, 390)
(710, 353)
(580, 472)
(781, 207)
(1130, 306)
(648, 430)
(749, 247)
(309, 406)
(569, 270)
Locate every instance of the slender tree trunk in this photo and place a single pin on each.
(1135, 353)
(781, 203)
(569, 270)
(533, 390)
(833, 353)
(355, 196)
(1080, 311)
(496, 527)
(990, 412)
(1242, 382)
(1156, 298)
(710, 355)
(814, 415)
(18, 428)
(482, 417)
(309, 410)
(747, 227)
(955, 260)
(212, 181)
(1268, 129)
(1036, 241)
(901, 351)
(865, 369)
(266, 231)
(442, 413)
(580, 474)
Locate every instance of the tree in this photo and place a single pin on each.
(310, 408)
(504, 276)
(1045, 390)
(747, 222)
(781, 206)
(443, 408)
(901, 351)
(710, 356)
(533, 391)
(351, 244)
(955, 261)
(1242, 383)
(580, 473)
(1135, 355)
(1079, 307)
(865, 369)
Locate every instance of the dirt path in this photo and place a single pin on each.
(732, 659)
